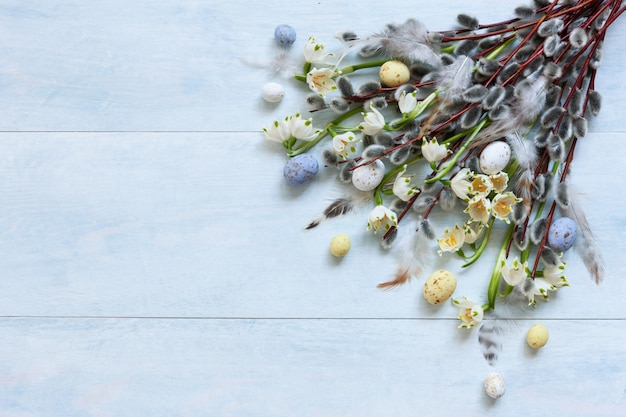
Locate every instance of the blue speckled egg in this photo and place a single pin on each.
(285, 35)
(300, 169)
(562, 234)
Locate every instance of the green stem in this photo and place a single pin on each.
(458, 154)
(492, 291)
(496, 52)
(345, 70)
(483, 245)
(325, 130)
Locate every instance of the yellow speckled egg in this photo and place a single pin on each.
(340, 245)
(394, 73)
(439, 286)
(537, 336)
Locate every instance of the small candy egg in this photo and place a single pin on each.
(394, 73)
(495, 157)
(537, 336)
(300, 169)
(494, 385)
(285, 35)
(439, 286)
(340, 245)
(368, 177)
(562, 234)
(273, 92)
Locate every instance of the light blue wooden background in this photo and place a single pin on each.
(153, 261)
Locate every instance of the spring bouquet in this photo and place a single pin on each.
(480, 123)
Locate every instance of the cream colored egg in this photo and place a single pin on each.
(494, 385)
(537, 336)
(495, 157)
(439, 286)
(340, 245)
(394, 73)
(368, 177)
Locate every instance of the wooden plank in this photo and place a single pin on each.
(102, 367)
(120, 224)
(188, 65)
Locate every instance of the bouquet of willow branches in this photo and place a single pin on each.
(480, 122)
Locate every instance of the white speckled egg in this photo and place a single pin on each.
(272, 92)
(368, 177)
(562, 234)
(494, 385)
(439, 286)
(495, 157)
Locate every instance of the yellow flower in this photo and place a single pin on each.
(452, 240)
(501, 205)
(479, 209)
(473, 231)
(499, 181)
(481, 185)
(381, 218)
(321, 80)
(470, 313)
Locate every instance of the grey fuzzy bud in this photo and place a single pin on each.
(404, 89)
(538, 190)
(475, 94)
(434, 37)
(562, 195)
(473, 164)
(524, 53)
(553, 96)
(534, 66)
(447, 199)
(550, 27)
(373, 151)
(420, 69)
(596, 59)
(489, 42)
(388, 238)
(508, 71)
(494, 97)
(368, 88)
(524, 12)
(399, 156)
(368, 140)
(601, 19)
(580, 127)
(339, 104)
(552, 71)
(471, 117)
(565, 129)
(500, 113)
(467, 21)
(537, 230)
(519, 213)
(486, 66)
(379, 103)
(541, 138)
(465, 47)
(345, 173)
(422, 203)
(541, 3)
(551, 45)
(425, 227)
(578, 37)
(345, 87)
(384, 140)
(520, 239)
(551, 116)
(550, 257)
(556, 148)
(398, 206)
(594, 102)
(315, 102)
(329, 157)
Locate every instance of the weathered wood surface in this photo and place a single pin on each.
(154, 262)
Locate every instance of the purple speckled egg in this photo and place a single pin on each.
(562, 234)
(285, 35)
(300, 169)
